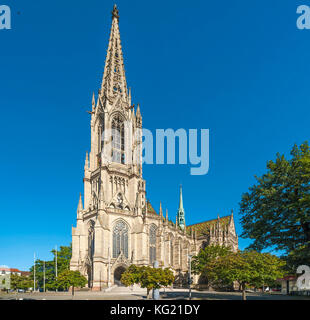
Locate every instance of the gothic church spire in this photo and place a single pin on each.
(181, 212)
(114, 80)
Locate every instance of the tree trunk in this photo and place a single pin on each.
(243, 292)
(72, 290)
(148, 293)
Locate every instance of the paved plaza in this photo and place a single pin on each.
(123, 293)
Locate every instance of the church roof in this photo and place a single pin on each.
(150, 208)
(204, 227)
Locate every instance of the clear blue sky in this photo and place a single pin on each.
(238, 68)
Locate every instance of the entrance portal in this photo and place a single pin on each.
(117, 275)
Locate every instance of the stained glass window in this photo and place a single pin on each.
(118, 141)
(152, 243)
(120, 239)
(171, 252)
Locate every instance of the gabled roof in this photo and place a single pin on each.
(204, 227)
(150, 209)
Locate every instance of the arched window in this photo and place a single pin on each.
(152, 243)
(120, 239)
(91, 250)
(118, 140)
(91, 241)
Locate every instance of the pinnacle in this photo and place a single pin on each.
(115, 12)
(80, 204)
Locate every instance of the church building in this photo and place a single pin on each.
(116, 225)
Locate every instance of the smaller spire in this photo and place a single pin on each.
(93, 102)
(166, 216)
(181, 212)
(160, 209)
(138, 113)
(231, 216)
(80, 205)
(79, 208)
(181, 199)
(86, 167)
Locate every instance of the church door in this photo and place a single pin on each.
(117, 275)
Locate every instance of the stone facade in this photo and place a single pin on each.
(117, 226)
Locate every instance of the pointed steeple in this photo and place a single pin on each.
(93, 102)
(161, 216)
(114, 80)
(181, 212)
(138, 117)
(80, 204)
(79, 208)
(231, 219)
(166, 220)
(86, 166)
(160, 209)
(138, 112)
(181, 199)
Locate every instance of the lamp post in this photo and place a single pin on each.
(34, 272)
(56, 271)
(156, 291)
(190, 275)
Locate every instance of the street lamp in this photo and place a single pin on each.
(190, 275)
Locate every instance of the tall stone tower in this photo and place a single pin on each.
(113, 183)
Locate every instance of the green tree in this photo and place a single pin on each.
(63, 263)
(69, 278)
(20, 282)
(63, 257)
(248, 268)
(203, 263)
(132, 275)
(276, 210)
(147, 277)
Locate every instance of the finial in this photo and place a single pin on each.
(231, 218)
(80, 205)
(115, 12)
(86, 161)
(138, 113)
(93, 102)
